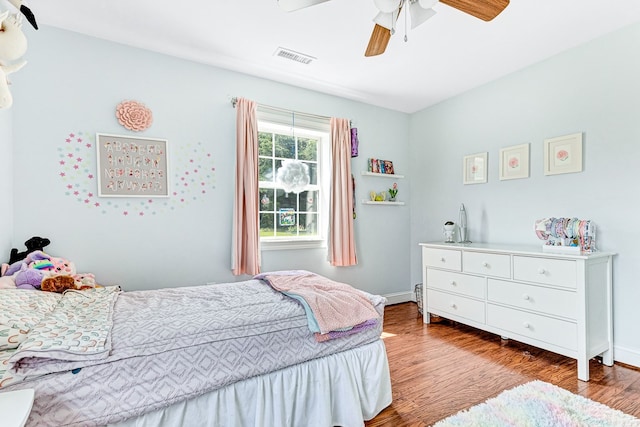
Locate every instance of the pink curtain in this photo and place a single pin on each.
(342, 246)
(246, 238)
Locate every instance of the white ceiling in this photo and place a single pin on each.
(449, 54)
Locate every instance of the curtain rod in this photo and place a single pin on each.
(234, 101)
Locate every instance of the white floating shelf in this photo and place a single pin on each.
(369, 202)
(383, 175)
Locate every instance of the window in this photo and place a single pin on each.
(289, 219)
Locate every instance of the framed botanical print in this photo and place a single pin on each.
(514, 162)
(563, 154)
(475, 168)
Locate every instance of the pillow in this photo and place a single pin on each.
(21, 310)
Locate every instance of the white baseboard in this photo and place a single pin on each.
(626, 356)
(399, 297)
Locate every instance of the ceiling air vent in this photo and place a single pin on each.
(294, 56)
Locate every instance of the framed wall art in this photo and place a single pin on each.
(474, 167)
(514, 162)
(132, 167)
(563, 154)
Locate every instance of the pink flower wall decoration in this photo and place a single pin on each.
(514, 162)
(134, 115)
(562, 155)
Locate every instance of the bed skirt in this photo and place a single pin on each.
(342, 389)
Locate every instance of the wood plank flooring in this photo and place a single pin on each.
(445, 367)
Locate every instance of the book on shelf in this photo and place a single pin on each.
(380, 166)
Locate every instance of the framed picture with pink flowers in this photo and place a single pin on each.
(129, 166)
(474, 168)
(514, 162)
(563, 154)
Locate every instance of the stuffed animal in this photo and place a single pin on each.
(33, 244)
(28, 278)
(33, 257)
(13, 44)
(62, 266)
(85, 281)
(58, 283)
(22, 7)
(7, 282)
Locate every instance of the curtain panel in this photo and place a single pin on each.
(246, 234)
(342, 247)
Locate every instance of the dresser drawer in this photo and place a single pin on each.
(464, 284)
(496, 265)
(557, 272)
(553, 331)
(442, 258)
(537, 298)
(456, 305)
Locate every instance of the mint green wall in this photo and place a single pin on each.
(6, 181)
(73, 83)
(592, 89)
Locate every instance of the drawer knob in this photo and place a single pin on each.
(541, 270)
(526, 325)
(453, 283)
(485, 264)
(453, 305)
(526, 297)
(443, 259)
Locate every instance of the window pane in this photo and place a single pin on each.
(313, 173)
(266, 199)
(308, 225)
(265, 144)
(265, 170)
(309, 201)
(285, 146)
(286, 223)
(307, 149)
(286, 200)
(267, 225)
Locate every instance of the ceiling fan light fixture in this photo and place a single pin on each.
(291, 5)
(386, 20)
(387, 6)
(427, 4)
(419, 15)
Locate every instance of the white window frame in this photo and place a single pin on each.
(323, 173)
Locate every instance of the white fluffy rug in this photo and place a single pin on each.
(539, 404)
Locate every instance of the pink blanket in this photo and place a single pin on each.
(335, 305)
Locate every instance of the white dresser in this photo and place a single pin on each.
(558, 302)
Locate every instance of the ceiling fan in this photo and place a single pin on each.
(419, 10)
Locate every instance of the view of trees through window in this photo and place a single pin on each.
(287, 215)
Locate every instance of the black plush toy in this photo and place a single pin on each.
(33, 244)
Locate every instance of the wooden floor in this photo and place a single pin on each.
(442, 368)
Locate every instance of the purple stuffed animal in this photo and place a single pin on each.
(16, 266)
(28, 278)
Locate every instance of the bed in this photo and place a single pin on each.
(235, 354)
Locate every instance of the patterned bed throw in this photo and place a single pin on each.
(165, 346)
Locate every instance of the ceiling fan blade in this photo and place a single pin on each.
(483, 9)
(378, 42)
(379, 38)
(291, 5)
